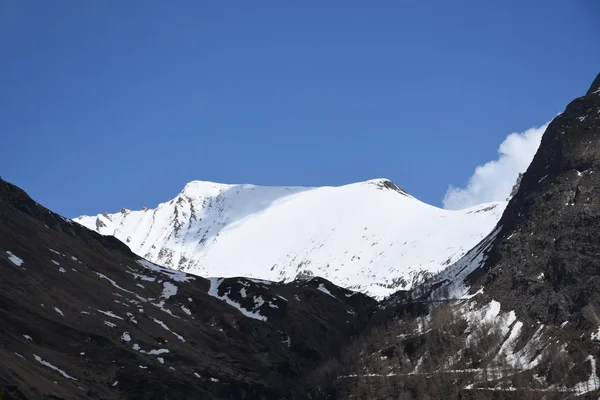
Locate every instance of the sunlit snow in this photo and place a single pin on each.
(323, 289)
(47, 364)
(363, 236)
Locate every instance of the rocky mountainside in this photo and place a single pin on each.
(84, 317)
(370, 236)
(519, 315)
(547, 251)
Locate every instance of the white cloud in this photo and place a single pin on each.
(494, 180)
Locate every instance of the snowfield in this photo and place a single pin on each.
(369, 236)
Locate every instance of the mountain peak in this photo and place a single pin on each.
(595, 87)
(384, 183)
(369, 236)
(200, 188)
(378, 180)
(204, 188)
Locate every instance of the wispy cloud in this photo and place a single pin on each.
(494, 180)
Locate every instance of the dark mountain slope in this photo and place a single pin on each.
(83, 317)
(545, 261)
(519, 316)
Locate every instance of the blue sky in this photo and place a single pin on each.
(110, 104)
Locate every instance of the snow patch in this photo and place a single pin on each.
(14, 259)
(540, 276)
(47, 364)
(492, 311)
(595, 335)
(186, 310)
(159, 351)
(141, 276)
(174, 275)
(530, 355)
(214, 292)
(109, 314)
(323, 289)
(169, 290)
(131, 318)
(165, 327)
(258, 302)
(119, 287)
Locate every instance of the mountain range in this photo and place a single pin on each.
(517, 316)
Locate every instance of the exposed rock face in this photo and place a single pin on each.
(545, 262)
(83, 317)
(515, 188)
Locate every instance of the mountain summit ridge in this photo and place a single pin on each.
(370, 236)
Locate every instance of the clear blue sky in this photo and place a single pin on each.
(110, 104)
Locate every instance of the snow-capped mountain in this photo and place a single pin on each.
(370, 236)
